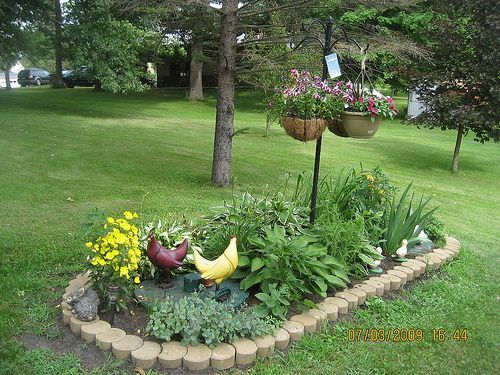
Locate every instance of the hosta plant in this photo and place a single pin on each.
(300, 263)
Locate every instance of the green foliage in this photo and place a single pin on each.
(275, 302)
(203, 320)
(247, 216)
(298, 262)
(404, 220)
(111, 48)
(435, 230)
(345, 240)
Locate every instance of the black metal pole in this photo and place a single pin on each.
(326, 51)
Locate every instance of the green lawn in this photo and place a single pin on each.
(65, 152)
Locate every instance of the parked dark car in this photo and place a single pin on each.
(78, 77)
(33, 76)
(64, 74)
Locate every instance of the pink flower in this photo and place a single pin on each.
(270, 104)
(316, 96)
(295, 73)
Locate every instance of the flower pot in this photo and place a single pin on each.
(359, 125)
(303, 129)
(336, 127)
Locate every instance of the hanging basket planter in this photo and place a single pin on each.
(336, 127)
(359, 125)
(303, 129)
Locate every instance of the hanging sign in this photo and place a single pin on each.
(332, 62)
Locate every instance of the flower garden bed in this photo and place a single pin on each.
(147, 354)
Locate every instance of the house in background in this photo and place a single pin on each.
(415, 106)
(13, 76)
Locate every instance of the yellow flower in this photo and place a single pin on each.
(128, 215)
(88, 244)
(101, 261)
(135, 215)
(125, 226)
(94, 261)
(137, 280)
(124, 272)
(110, 220)
(110, 255)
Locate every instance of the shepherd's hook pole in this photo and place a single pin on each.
(326, 51)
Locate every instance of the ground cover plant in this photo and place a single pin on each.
(53, 157)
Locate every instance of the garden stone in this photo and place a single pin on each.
(309, 323)
(295, 329)
(452, 248)
(443, 258)
(446, 254)
(65, 305)
(414, 267)
(223, 356)
(378, 285)
(452, 240)
(197, 357)
(394, 280)
(369, 290)
(399, 274)
(387, 283)
(89, 331)
(342, 304)
(147, 355)
(76, 324)
(67, 315)
(358, 293)
(432, 262)
(122, 349)
(105, 339)
(331, 310)
(282, 339)
(172, 354)
(351, 299)
(449, 252)
(422, 265)
(246, 351)
(406, 270)
(317, 314)
(265, 345)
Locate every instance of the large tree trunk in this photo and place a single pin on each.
(456, 153)
(7, 67)
(196, 71)
(221, 166)
(58, 80)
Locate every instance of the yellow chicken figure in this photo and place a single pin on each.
(221, 268)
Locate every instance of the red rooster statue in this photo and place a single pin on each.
(166, 259)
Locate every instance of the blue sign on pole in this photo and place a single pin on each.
(332, 62)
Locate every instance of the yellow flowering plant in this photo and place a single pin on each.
(115, 255)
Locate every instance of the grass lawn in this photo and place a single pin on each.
(64, 152)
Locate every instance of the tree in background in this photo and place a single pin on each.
(461, 87)
(57, 80)
(110, 47)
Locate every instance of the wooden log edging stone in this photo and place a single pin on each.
(172, 355)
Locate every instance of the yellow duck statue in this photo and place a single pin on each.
(221, 268)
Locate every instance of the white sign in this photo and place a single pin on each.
(332, 62)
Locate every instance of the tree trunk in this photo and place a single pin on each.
(456, 153)
(221, 166)
(7, 76)
(58, 80)
(196, 71)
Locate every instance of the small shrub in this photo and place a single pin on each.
(196, 320)
(275, 302)
(435, 230)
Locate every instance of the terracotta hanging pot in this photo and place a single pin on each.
(359, 125)
(336, 127)
(303, 129)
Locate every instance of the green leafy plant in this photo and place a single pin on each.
(196, 320)
(247, 216)
(404, 220)
(435, 230)
(275, 302)
(345, 240)
(299, 263)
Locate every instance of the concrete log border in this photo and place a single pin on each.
(146, 354)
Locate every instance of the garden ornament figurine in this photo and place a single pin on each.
(165, 259)
(376, 263)
(221, 268)
(84, 302)
(401, 252)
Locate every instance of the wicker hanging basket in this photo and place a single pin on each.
(336, 127)
(303, 129)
